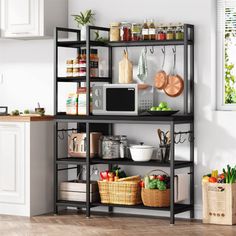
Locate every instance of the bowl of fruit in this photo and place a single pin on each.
(162, 109)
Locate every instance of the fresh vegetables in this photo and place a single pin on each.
(228, 176)
(161, 182)
(112, 175)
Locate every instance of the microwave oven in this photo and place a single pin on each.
(121, 99)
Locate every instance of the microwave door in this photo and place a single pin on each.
(121, 101)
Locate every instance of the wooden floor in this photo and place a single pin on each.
(76, 224)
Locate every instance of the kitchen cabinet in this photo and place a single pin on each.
(26, 166)
(32, 18)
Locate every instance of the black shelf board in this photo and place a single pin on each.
(79, 44)
(178, 207)
(125, 161)
(83, 79)
(70, 203)
(147, 119)
(149, 43)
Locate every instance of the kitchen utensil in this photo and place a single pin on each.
(141, 152)
(162, 113)
(161, 76)
(175, 83)
(162, 136)
(165, 152)
(125, 70)
(77, 144)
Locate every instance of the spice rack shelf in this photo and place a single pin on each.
(104, 123)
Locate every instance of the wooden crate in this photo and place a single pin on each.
(219, 203)
(76, 191)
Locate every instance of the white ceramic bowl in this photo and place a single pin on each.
(141, 152)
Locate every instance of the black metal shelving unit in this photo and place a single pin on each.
(104, 123)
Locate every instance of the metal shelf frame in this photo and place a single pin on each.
(91, 122)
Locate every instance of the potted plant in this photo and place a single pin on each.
(84, 19)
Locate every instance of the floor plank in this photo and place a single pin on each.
(70, 224)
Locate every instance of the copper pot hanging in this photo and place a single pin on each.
(160, 80)
(175, 83)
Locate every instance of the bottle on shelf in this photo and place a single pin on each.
(161, 33)
(145, 31)
(170, 32)
(179, 34)
(152, 30)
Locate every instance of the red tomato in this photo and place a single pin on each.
(222, 176)
(212, 180)
(141, 184)
(160, 177)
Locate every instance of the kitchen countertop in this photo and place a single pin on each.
(25, 118)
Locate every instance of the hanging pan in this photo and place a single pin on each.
(160, 80)
(175, 83)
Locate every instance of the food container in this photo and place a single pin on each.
(69, 64)
(110, 147)
(179, 34)
(161, 33)
(69, 72)
(170, 34)
(75, 72)
(115, 31)
(125, 31)
(136, 32)
(141, 152)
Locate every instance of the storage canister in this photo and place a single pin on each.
(115, 31)
(125, 31)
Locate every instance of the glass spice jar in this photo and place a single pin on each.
(75, 72)
(145, 31)
(170, 33)
(115, 31)
(179, 34)
(152, 30)
(69, 64)
(136, 31)
(125, 31)
(161, 33)
(69, 72)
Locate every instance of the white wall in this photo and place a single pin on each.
(27, 67)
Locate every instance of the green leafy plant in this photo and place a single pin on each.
(84, 18)
(230, 79)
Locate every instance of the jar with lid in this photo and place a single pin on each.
(145, 31)
(170, 34)
(136, 31)
(94, 63)
(125, 31)
(179, 34)
(115, 31)
(76, 72)
(69, 72)
(69, 63)
(161, 33)
(110, 147)
(152, 30)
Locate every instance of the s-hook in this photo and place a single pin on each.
(174, 49)
(152, 50)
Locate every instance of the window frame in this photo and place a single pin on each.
(220, 58)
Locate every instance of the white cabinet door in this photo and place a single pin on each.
(12, 163)
(21, 18)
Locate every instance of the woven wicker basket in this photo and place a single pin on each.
(156, 197)
(126, 191)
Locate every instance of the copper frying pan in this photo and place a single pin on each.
(160, 80)
(175, 83)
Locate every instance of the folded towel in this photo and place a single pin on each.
(181, 187)
(142, 66)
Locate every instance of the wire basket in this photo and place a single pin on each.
(126, 191)
(156, 197)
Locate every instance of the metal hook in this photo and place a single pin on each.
(152, 50)
(145, 49)
(164, 50)
(61, 137)
(174, 49)
(190, 137)
(181, 140)
(176, 142)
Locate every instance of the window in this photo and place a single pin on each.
(226, 54)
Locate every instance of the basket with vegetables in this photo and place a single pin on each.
(116, 188)
(156, 189)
